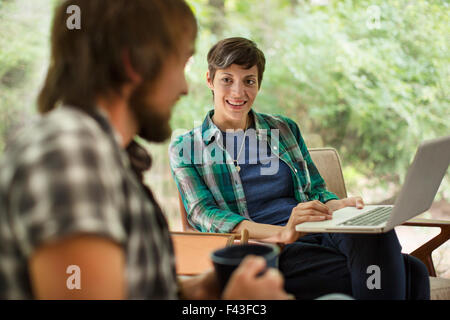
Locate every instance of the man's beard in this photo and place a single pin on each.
(153, 126)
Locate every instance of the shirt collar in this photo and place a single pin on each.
(139, 159)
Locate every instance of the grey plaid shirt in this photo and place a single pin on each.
(67, 174)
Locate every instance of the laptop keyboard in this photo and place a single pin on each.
(370, 218)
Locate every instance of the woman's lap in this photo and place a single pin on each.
(312, 269)
(319, 264)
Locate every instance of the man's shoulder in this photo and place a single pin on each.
(61, 123)
(68, 121)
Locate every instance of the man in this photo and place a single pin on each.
(75, 220)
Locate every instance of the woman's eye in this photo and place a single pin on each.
(251, 82)
(226, 80)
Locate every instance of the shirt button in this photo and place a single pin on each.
(295, 170)
(275, 148)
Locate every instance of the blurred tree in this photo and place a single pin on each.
(218, 7)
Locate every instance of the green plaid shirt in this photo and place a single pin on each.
(210, 185)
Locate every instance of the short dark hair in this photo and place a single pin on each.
(237, 50)
(88, 62)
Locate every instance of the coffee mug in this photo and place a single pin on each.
(226, 260)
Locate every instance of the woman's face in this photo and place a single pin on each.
(235, 88)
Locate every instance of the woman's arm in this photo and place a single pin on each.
(303, 212)
(318, 188)
(261, 231)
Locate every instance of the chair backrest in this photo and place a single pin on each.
(327, 162)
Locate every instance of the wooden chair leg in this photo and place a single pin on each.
(424, 252)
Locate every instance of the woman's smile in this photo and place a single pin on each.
(236, 104)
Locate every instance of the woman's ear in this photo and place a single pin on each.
(209, 81)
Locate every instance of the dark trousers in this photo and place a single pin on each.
(360, 265)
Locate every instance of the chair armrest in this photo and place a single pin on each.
(427, 223)
(231, 237)
(242, 237)
(193, 249)
(424, 251)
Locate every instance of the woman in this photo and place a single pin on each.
(243, 169)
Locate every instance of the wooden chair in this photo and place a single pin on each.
(328, 163)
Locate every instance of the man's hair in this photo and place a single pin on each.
(89, 62)
(240, 51)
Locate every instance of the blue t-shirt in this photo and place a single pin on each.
(269, 193)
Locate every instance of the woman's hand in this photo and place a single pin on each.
(304, 212)
(246, 283)
(334, 205)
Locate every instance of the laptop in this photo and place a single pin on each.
(416, 196)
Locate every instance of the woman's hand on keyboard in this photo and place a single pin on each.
(303, 212)
(334, 205)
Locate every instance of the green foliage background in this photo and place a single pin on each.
(372, 93)
(24, 47)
